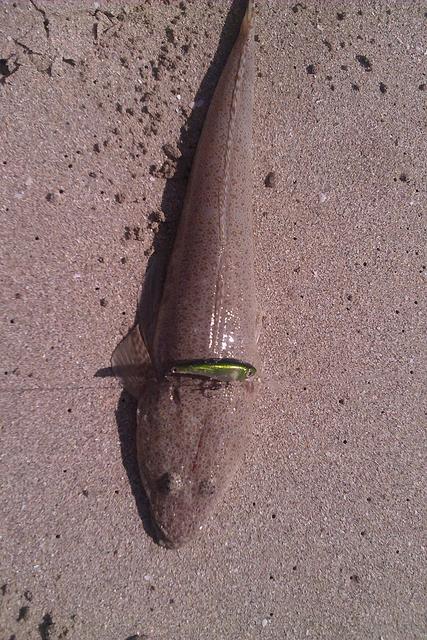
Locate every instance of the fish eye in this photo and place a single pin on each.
(169, 483)
(207, 487)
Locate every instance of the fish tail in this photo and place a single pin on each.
(248, 18)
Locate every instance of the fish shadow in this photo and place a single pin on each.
(126, 426)
(172, 204)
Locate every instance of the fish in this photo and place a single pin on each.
(195, 376)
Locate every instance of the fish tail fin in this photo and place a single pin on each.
(248, 18)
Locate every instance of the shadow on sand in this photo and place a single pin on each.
(172, 203)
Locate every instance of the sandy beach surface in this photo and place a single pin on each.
(322, 534)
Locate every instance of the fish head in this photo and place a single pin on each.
(191, 435)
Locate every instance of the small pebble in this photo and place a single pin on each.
(23, 614)
(364, 62)
(157, 216)
(170, 152)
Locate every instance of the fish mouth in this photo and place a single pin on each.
(162, 539)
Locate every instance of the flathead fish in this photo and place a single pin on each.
(195, 420)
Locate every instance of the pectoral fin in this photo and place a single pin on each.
(131, 362)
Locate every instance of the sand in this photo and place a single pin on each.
(321, 534)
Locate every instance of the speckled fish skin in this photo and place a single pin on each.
(190, 439)
(208, 307)
(192, 432)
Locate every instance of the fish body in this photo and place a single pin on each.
(195, 419)
(208, 307)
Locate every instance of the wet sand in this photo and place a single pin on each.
(321, 534)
